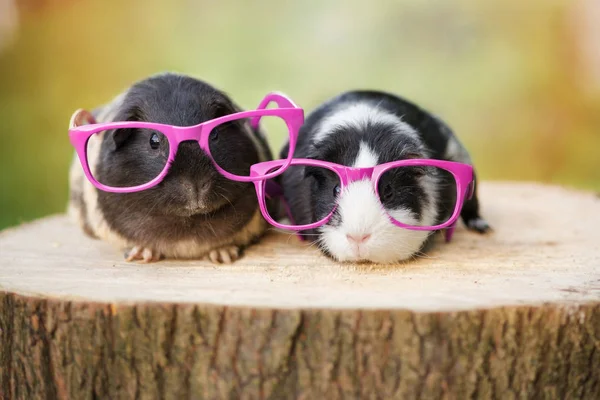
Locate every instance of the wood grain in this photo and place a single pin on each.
(514, 314)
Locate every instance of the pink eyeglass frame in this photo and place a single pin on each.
(287, 110)
(463, 174)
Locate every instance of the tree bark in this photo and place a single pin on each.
(515, 314)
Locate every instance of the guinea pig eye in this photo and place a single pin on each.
(154, 141)
(336, 190)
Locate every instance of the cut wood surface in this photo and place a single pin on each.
(515, 313)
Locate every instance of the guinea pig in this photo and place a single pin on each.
(363, 129)
(195, 212)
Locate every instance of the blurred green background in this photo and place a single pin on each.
(519, 81)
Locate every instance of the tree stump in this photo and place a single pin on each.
(514, 314)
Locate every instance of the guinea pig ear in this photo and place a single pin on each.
(411, 156)
(309, 171)
(81, 117)
(117, 137)
(314, 172)
(223, 109)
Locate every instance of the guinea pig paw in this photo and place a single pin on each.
(479, 225)
(143, 254)
(224, 255)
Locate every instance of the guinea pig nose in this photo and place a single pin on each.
(358, 238)
(197, 190)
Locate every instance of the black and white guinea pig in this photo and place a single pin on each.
(363, 129)
(195, 212)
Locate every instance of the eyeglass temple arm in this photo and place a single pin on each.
(274, 190)
(449, 232)
(278, 98)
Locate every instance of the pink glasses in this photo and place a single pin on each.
(165, 140)
(456, 177)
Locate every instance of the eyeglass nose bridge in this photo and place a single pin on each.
(358, 174)
(186, 133)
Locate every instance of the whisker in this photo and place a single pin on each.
(229, 201)
(207, 221)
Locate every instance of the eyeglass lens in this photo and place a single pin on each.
(231, 143)
(319, 182)
(135, 156)
(418, 195)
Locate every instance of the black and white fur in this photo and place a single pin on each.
(194, 212)
(364, 129)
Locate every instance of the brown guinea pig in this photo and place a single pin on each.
(195, 212)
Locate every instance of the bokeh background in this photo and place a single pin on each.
(519, 81)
